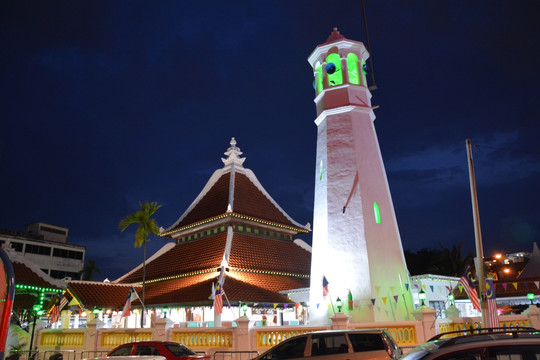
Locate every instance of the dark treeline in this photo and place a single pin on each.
(442, 261)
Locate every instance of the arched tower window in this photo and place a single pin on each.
(363, 72)
(377, 213)
(352, 68)
(318, 78)
(333, 70)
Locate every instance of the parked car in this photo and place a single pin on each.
(480, 344)
(373, 344)
(168, 349)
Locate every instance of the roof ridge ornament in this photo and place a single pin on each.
(233, 156)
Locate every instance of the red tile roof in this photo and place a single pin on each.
(188, 257)
(100, 294)
(259, 266)
(24, 275)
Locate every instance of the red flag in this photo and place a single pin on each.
(55, 312)
(493, 315)
(468, 285)
(324, 286)
(218, 300)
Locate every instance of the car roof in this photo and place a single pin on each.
(474, 338)
(348, 331)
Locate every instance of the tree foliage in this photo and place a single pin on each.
(443, 261)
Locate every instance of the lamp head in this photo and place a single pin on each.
(422, 296)
(339, 304)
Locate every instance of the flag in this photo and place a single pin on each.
(493, 315)
(132, 295)
(468, 285)
(324, 287)
(58, 305)
(218, 300)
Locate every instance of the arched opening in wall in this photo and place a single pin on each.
(333, 70)
(318, 78)
(377, 213)
(352, 69)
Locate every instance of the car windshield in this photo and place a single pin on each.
(415, 355)
(180, 350)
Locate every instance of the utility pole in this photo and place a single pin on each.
(479, 264)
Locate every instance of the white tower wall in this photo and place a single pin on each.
(357, 253)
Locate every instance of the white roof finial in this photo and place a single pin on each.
(233, 156)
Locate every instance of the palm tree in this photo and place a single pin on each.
(89, 270)
(146, 227)
(452, 262)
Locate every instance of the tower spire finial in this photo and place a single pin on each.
(233, 156)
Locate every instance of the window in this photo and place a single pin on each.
(123, 351)
(377, 213)
(179, 350)
(146, 350)
(366, 342)
(68, 254)
(329, 345)
(335, 76)
(318, 78)
(471, 354)
(518, 352)
(37, 249)
(293, 348)
(352, 67)
(363, 67)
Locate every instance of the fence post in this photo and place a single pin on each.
(91, 336)
(242, 340)
(162, 325)
(534, 314)
(426, 315)
(340, 321)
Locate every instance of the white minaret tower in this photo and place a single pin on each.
(356, 242)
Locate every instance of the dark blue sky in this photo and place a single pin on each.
(105, 104)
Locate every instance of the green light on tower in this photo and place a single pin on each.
(377, 213)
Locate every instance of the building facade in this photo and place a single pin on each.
(47, 246)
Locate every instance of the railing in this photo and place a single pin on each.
(59, 354)
(63, 338)
(90, 354)
(204, 339)
(111, 339)
(468, 327)
(269, 338)
(23, 355)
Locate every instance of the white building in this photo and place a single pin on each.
(46, 246)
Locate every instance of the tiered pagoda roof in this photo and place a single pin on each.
(234, 225)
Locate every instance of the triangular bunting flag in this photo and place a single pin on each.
(460, 287)
(275, 305)
(396, 297)
(431, 287)
(318, 305)
(378, 288)
(391, 289)
(526, 286)
(515, 285)
(537, 283)
(373, 301)
(407, 286)
(384, 300)
(504, 286)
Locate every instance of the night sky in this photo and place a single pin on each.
(108, 103)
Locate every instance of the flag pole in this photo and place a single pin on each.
(479, 264)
